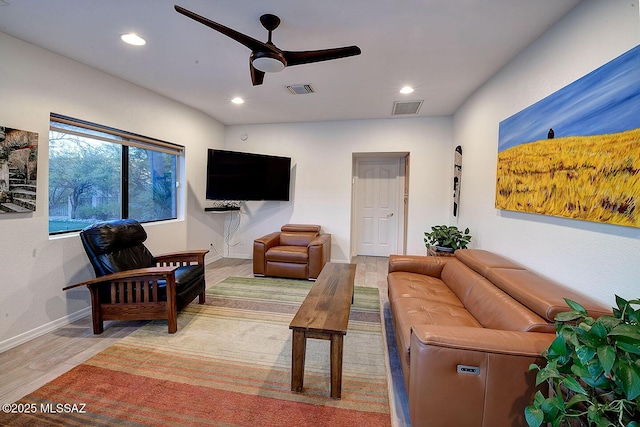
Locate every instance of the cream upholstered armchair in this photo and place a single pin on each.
(297, 251)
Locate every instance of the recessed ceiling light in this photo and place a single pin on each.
(406, 90)
(237, 100)
(133, 39)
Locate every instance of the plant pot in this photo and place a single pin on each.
(443, 248)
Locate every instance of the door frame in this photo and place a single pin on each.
(403, 196)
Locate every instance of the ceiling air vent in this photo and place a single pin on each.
(410, 107)
(300, 89)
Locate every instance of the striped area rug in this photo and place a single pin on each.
(229, 364)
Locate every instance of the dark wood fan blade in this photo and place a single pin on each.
(305, 57)
(250, 42)
(257, 76)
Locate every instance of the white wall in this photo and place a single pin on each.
(35, 268)
(321, 155)
(598, 259)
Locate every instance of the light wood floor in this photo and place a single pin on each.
(29, 366)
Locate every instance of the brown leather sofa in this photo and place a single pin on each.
(467, 329)
(297, 251)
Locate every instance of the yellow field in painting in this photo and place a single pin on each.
(593, 178)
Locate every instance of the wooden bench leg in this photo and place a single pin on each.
(298, 351)
(336, 365)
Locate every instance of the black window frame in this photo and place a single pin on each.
(126, 140)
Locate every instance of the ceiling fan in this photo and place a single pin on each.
(265, 56)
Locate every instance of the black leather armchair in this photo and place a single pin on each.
(131, 283)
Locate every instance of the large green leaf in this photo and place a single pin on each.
(533, 416)
(546, 373)
(553, 405)
(609, 322)
(574, 305)
(607, 357)
(599, 330)
(629, 331)
(575, 399)
(572, 384)
(568, 315)
(621, 303)
(580, 370)
(558, 346)
(595, 337)
(629, 375)
(585, 354)
(628, 347)
(538, 398)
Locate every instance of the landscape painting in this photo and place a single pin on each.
(576, 153)
(18, 170)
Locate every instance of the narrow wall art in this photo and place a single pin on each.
(576, 153)
(18, 170)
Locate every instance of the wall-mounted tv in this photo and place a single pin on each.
(233, 175)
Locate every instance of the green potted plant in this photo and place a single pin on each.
(447, 238)
(592, 369)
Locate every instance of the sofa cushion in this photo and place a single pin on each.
(287, 269)
(297, 239)
(419, 264)
(459, 278)
(293, 254)
(411, 285)
(416, 311)
(482, 261)
(494, 309)
(304, 228)
(542, 295)
(187, 274)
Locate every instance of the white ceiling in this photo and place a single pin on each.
(445, 49)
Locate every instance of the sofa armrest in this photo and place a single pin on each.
(427, 265)
(480, 375)
(260, 248)
(319, 254)
(482, 339)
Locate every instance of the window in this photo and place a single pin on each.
(98, 173)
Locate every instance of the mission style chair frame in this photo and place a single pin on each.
(141, 285)
(134, 294)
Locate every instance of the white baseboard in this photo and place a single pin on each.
(240, 256)
(41, 330)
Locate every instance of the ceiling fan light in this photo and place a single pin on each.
(267, 64)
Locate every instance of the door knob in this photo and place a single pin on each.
(390, 215)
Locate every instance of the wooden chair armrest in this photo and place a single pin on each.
(143, 272)
(182, 257)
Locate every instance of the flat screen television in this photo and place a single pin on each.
(233, 175)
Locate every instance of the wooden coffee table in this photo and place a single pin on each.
(324, 314)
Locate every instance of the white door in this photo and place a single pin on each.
(376, 208)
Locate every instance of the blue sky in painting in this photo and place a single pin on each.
(604, 101)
